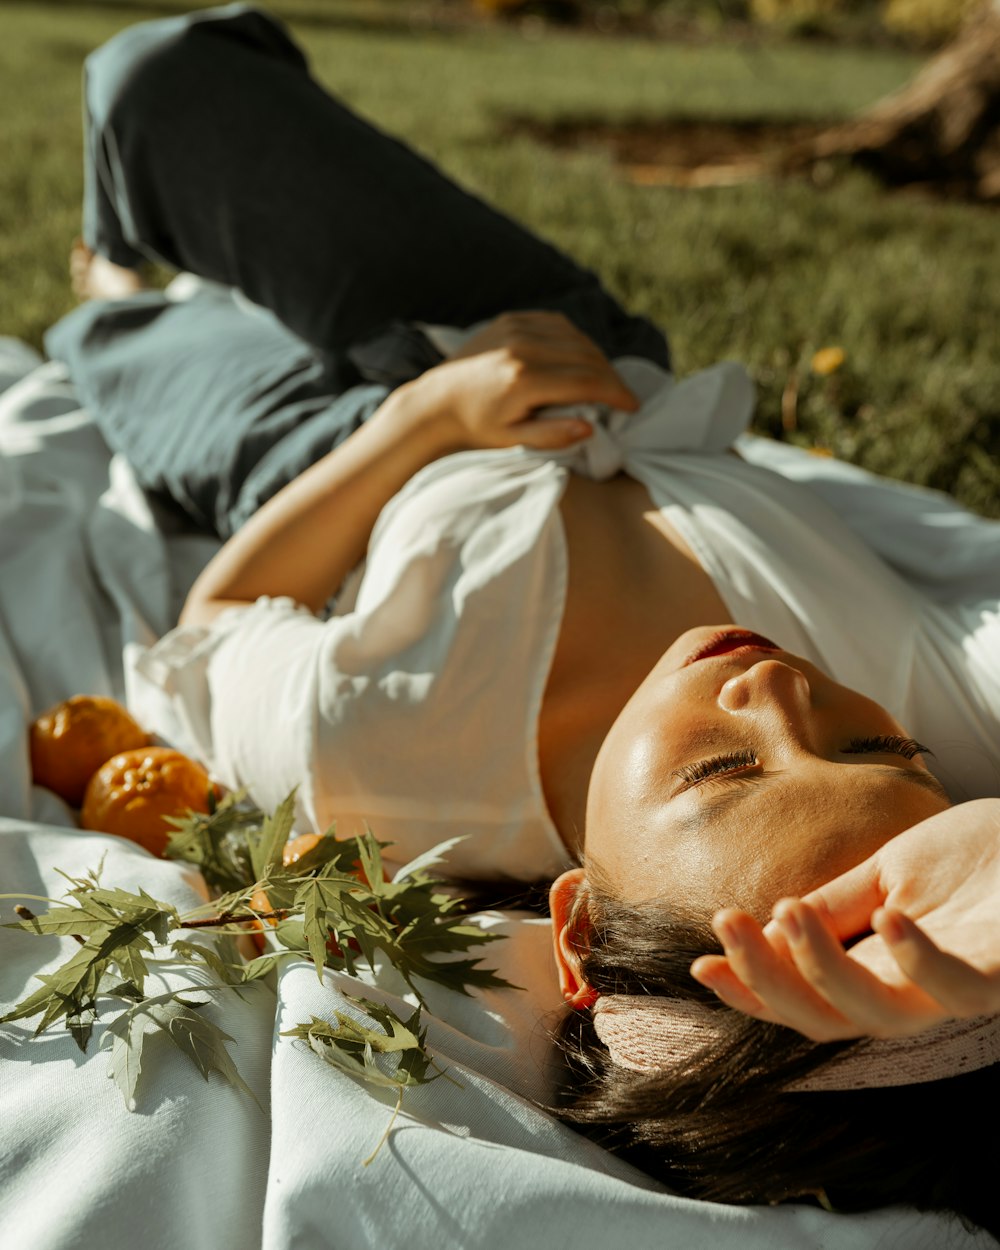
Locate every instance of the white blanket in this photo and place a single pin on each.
(86, 572)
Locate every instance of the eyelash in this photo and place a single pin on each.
(724, 766)
(893, 745)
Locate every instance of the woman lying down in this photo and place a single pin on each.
(579, 619)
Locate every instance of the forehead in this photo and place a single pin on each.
(747, 844)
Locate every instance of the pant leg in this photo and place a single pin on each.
(214, 406)
(215, 151)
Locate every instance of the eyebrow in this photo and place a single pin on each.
(718, 802)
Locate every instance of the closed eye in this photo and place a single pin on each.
(724, 766)
(891, 744)
(735, 765)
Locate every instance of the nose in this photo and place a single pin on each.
(767, 683)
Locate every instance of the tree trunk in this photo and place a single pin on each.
(942, 128)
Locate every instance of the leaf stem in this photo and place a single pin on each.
(229, 917)
(388, 1128)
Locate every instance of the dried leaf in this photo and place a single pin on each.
(228, 970)
(353, 1046)
(267, 845)
(292, 936)
(332, 913)
(339, 853)
(261, 966)
(218, 843)
(140, 910)
(126, 1036)
(194, 1035)
(429, 859)
(81, 1025)
(65, 922)
(69, 991)
(326, 902)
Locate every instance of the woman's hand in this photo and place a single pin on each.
(904, 977)
(487, 393)
(305, 540)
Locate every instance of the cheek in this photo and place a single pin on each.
(650, 859)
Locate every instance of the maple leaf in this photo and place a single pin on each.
(69, 991)
(254, 969)
(66, 922)
(218, 843)
(292, 936)
(339, 853)
(140, 910)
(267, 845)
(201, 1041)
(416, 868)
(354, 1045)
(326, 903)
(81, 1025)
(117, 923)
(90, 881)
(330, 913)
(227, 965)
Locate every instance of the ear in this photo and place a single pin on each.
(562, 900)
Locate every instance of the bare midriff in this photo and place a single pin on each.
(634, 586)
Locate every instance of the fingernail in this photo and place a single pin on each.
(789, 922)
(772, 929)
(728, 933)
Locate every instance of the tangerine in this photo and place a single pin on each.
(291, 854)
(133, 792)
(72, 740)
(299, 846)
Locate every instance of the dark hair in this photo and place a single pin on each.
(723, 1127)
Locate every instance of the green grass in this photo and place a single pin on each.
(766, 273)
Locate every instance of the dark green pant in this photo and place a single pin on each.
(211, 148)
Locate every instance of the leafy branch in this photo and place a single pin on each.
(334, 905)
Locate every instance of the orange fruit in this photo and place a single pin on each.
(72, 740)
(134, 791)
(293, 851)
(291, 854)
(297, 847)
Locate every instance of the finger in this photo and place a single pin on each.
(960, 989)
(779, 985)
(550, 385)
(858, 995)
(849, 900)
(548, 326)
(535, 335)
(550, 433)
(715, 973)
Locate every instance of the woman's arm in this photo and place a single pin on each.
(305, 540)
(944, 873)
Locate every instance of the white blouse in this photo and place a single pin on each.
(414, 707)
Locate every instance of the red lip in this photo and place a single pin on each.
(729, 640)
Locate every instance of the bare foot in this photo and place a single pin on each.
(94, 277)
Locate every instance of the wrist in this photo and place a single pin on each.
(420, 412)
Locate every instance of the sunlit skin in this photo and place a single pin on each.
(808, 801)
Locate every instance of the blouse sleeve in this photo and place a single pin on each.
(413, 710)
(241, 695)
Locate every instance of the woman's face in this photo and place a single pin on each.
(738, 774)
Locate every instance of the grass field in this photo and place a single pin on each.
(767, 273)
